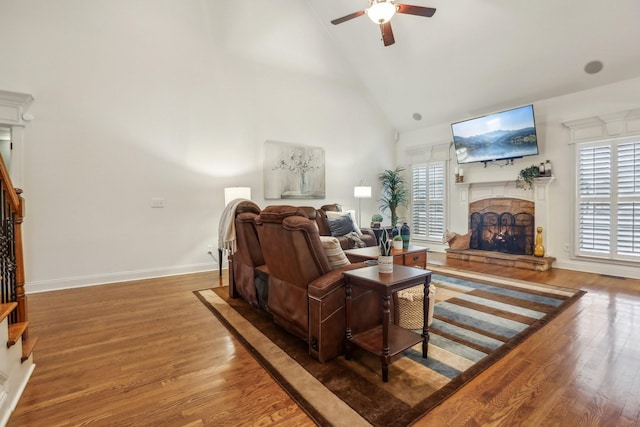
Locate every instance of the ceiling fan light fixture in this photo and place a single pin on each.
(381, 11)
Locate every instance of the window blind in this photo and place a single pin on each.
(628, 168)
(608, 214)
(428, 195)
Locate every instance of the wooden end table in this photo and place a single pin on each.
(386, 340)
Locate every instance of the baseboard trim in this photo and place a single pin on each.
(104, 279)
(599, 268)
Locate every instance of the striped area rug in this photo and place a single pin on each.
(477, 319)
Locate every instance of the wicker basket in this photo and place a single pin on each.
(410, 306)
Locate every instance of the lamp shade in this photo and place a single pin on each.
(232, 193)
(362, 192)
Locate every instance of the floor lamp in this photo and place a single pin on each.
(361, 192)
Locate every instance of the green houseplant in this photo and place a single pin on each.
(385, 244)
(385, 260)
(376, 219)
(394, 192)
(526, 177)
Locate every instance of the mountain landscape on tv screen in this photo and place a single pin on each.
(496, 145)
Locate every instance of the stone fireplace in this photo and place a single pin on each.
(502, 219)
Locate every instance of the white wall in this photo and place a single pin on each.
(174, 99)
(553, 139)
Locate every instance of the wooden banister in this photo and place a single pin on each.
(11, 248)
(7, 185)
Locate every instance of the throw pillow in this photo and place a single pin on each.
(458, 241)
(352, 214)
(333, 215)
(334, 252)
(340, 226)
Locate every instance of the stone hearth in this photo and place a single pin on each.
(499, 258)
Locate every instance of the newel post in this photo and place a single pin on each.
(21, 298)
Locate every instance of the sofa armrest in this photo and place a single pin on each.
(369, 237)
(368, 231)
(327, 283)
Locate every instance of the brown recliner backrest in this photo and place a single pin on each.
(291, 245)
(308, 211)
(248, 245)
(333, 207)
(323, 226)
(248, 255)
(316, 216)
(311, 261)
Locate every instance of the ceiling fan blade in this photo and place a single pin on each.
(416, 10)
(387, 34)
(348, 17)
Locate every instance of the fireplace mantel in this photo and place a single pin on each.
(539, 194)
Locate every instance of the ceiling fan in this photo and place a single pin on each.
(381, 11)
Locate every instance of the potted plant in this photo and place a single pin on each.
(526, 177)
(376, 219)
(397, 242)
(394, 192)
(385, 260)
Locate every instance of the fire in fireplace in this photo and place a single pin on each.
(502, 225)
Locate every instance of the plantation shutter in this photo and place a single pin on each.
(609, 199)
(436, 201)
(628, 238)
(594, 189)
(419, 202)
(428, 201)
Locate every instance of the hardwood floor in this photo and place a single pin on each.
(147, 353)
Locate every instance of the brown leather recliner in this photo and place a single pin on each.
(248, 272)
(306, 297)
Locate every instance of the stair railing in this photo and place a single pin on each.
(11, 249)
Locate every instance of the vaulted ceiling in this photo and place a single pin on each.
(480, 56)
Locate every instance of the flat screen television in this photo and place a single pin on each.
(506, 135)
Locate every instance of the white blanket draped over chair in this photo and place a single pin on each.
(227, 227)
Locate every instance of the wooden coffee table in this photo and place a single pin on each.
(386, 340)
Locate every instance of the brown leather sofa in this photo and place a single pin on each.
(305, 296)
(247, 269)
(248, 274)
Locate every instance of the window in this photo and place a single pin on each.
(608, 196)
(428, 201)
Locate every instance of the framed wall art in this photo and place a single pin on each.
(293, 171)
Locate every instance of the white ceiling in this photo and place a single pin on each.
(475, 57)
